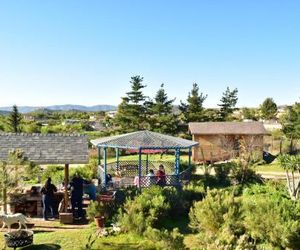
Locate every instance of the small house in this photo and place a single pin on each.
(220, 141)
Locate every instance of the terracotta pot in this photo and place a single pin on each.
(99, 221)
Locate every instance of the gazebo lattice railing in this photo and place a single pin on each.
(142, 142)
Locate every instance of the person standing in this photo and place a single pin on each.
(48, 191)
(76, 186)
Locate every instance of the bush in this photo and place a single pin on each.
(218, 219)
(270, 217)
(165, 239)
(243, 172)
(95, 209)
(263, 217)
(222, 171)
(145, 211)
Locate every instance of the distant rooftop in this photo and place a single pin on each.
(227, 128)
(46, 148)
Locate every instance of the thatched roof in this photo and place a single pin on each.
(143, 139)
(46, 148)
(227, 128)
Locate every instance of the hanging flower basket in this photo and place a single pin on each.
(19, 238)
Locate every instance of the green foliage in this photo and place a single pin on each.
(222, 171)
(218, 219)
(31, 128)
(243, 172)
(228, 102)
(291, 164)
(193, 110)
(10, 172)
(161, 118)
(250, 114)
(268, 109)
(87, 172)
(131, 115)
(165, 239)
(262, 217)
(55, 172)
(95, 209)
(14, 120)
(271, 218)
(291, 121)
(144, 211)
(32, 171)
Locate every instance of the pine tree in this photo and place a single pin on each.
(14, 120)
(193, 110)
(228, 102)
(268, 109)
(291, 124)
(161, 118)
(131, 115)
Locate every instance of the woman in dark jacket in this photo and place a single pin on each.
(48, 198)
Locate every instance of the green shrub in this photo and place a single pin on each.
(243, 172)
(144, 211)
(270, 217)
(262, 217)
(218, 219)
(95, 209)
(164, 239)
(222, 171)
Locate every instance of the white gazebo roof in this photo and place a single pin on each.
(145, 140)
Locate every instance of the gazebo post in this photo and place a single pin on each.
(99, 156)
(147, 163)
(140, 166)
(66, 196)
(190, 157)
(177, 160)
(117, 158)
(105, 166)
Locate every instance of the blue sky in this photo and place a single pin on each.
(84, 52)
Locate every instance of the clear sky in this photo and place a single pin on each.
(84, 52)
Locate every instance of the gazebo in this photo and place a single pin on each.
(143, 143)
(48, 149)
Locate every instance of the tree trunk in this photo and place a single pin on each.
(4, 194)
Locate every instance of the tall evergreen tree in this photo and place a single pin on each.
(131, 115)
(291, 124)
(268, 109)
(14, 120)
(193, 110)
(228, 102)
(161, 118)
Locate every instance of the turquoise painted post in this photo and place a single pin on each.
(99, 156)
(140, 166)
(105, 166)
(117, 158)
(177, 160)
(147, 163)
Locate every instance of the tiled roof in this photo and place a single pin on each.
(229, 128)
(143, 139)
(46, 148)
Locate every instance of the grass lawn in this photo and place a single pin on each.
(273, 167)
(153, 157)
(77, 239)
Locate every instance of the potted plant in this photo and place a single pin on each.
(96, 211)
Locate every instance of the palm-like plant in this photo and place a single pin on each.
(291, 165)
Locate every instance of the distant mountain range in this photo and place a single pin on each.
(66, 107)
